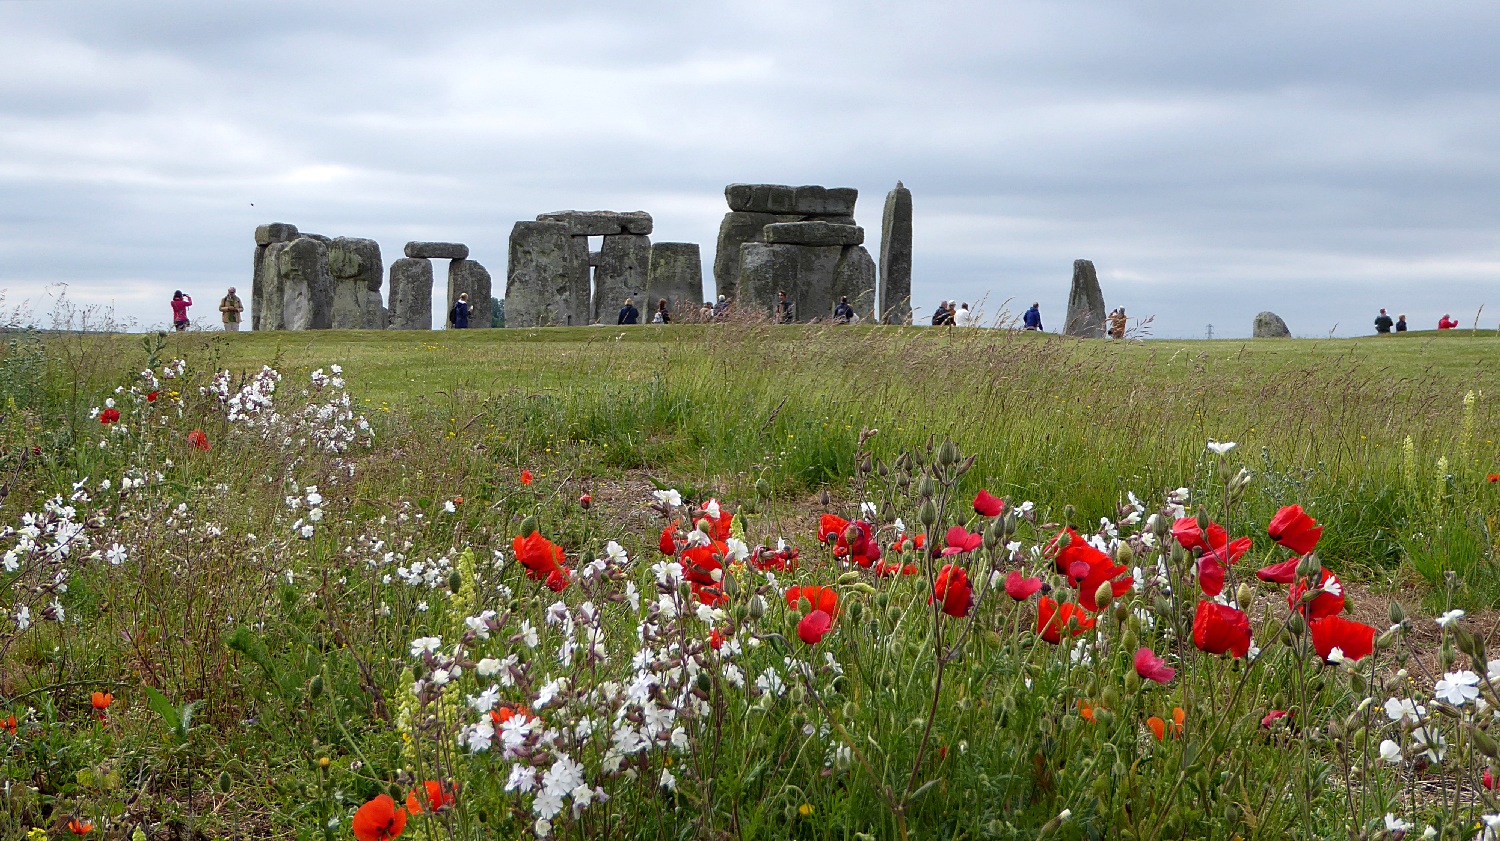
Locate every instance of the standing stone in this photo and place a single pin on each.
(624, 263)
(854, 278)
(268, 280)
(580, 284)
(737, 229)
(468, 276)
(676, 273)
(541, 281)
(438, 250)
(1268, 325)
(356, 268)
(804, 272)
(601, 223)
(895, 257)
(275, 232)
(411, 294)
(306, 287)
(265, 237)
(1085, 303)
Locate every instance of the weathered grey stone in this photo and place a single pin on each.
(275, 232)
(895, 257)
(438, 250)
(468, 276)
(1085, 303)
(542, 285)
(319, 237)
(377, 317)
(855, 278)
(356, 268)
(600, 223)
(411, 294)
(267, 313)
(804, 272)
(624, 262)
(813, 233)
(1268, 325)
(780, 198)
(737, 229)
(257, 290)
(594, 258)
(306, 287)
(676, 274)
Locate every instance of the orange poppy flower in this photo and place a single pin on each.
(199, 441)
(1159, 727)
(101, 700)
(526, 477)
(433, 795)
(1085, 710)
(80, 827)
(379, 820)
(9, 724)
(503, 714)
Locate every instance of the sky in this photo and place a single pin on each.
(1319, 160)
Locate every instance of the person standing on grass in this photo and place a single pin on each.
(843, 313)
(1117, 324)
(628, 313)
(1400, 324)
(1032, 320)
(230, 308)
(1383, 323)
(1447, 322)
(661, 316)
(784, 309)
(459, 318)
(180, 304)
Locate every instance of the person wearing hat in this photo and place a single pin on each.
(230, 308)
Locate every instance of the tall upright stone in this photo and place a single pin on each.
(676, 274)
(855, 278)
(1085, 303)
(895, 257)
(737, 229)
(468, 276)
(356, 268)
(804, 272)
(623, 267)
(542, 278)
(411, 294)
(306, 286)
(265, 237)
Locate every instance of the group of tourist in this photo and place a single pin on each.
(230, 308)
(630, 315)
(1384, 324)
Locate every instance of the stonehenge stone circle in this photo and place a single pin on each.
(411, 294)
(1085, 303)
(855, 278)
(1268, 325)
(265, 237)
(624, 264)
(895, 257)
(676, 274)
(468, 276)
(804, 272)
(803, 201)
(438, 250)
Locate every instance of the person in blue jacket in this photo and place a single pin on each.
(1032, 320)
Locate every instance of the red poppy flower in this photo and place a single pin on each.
(80, 827)
(1219, 628)
(668, 542)
(501, 715)
(198, 440)
(1294, 529)
(1282, 573)
(813, 626)
(433, 796)
(906, 542)
(585, 501)
(1020, 588)
(856, 544)
(101, 700)
(1355, 639)
(1052, 619)
(1488, 779)
(953, 589)
(1159, 727)
(821, 598)
(1272, 717)
(1087, 567)
(773, 559)
(151, 396)
(715, 639)
(557, 579)
(721, 524)
(109, 416)
(959, 540)
(830, 525)
(542, 559)
(708, 594)
(9, 724)
(1085, 710)
(986, 505)
(526, 477)
(888, 569)
(379, 820)
(1187, 533)
(1329, 602)
(1210, 575)
(701, 562)
(1151, 667)
(1493, 477)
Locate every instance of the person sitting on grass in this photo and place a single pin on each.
(1400, 324)
(843, 313)
(661, 316)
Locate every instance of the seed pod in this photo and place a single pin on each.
(1296, 624)
(925, 487)
(528, 526)
(947, 453)
(928, 513)
(757, 607)
(1104, 595)
(731, 585)
(1124, 555)
(762, 488)
(1484, 743)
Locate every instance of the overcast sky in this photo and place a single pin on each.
(1214, 160)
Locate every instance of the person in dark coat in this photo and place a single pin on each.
(1383, 323)
(462, 309)
(629, 314)
(1032, 320)
(843, 313)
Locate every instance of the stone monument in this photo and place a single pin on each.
(1085, 303)
(1268, 325)
(895, 257)
(675, 274)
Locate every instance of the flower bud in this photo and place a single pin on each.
(224, 782)
(455, 581)
(315, 689)
(1397, 614)
(1386, 640)
(1161, 527)
(925, 487)
(856, 610)
(585, 501)
(804, 605)
(1244, 594)
(1309, 567)
(1110, 698)
(928, 513)
(1128, 640)
(1122, 611)
(705, 526)
(705, 683)
(1484, 743)
(1104, 595)
(994, 534)
(1296, 624)
(762, 488)
(824, 498)
(1069, 514)
(1203, 521)
(1124, 555)
(323, 763)
(528, 526)
(947, 452)
(731, 585)
(757, 607)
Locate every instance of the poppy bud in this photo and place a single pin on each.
(397, 793)
(1178, 554)
(315, 689)
(1244, 595)
(804, 605)
(840, 683)
(705, 526)
(1397, 614)
(1163, 607)
(856, 610)
(862, 587)
(792, 618)
(925, 487)
(1296, 624)
(1069, 514)
(883, 600)
(1124, 555)
(1104, 595)
(1203, 521)
(757, 607)
(585, 501)
(928, 513)
(947, 452)
(224, 782)
(1446, 656)
(704, 682)
(740, 613)
(849, 577)
(1309, 567)
(1110, 697)
(994, 534)
(798, 695)
(1232, 814)
(824, 498)
(762, 488)
(1132, 682)
(455, 581)
(1128, 640)
(893, 613)
(528, 526)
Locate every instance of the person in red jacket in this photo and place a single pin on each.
(180, 304)
(1447, 322)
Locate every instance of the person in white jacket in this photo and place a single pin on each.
(963, 317)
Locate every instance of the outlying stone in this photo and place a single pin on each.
(599, 223)
(895, 257)
(1268, 325)
(437, 250)
(306, 286)
(813, 233)
(542, 283)
(624, 262)
(468, 276)
(411, 294)
(676, 275)
(780, 198)
(1085, 303)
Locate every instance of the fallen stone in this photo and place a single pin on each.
(895, 257)
(855, 278)
(437, 250)
(542, 279)
(780, 198)
(805, 273)
(600, 223)
(1085, 303)
(356, 268)
(1268, 325)
(411, 294)
(468, 276)
(624, 263)
(813, 233)
(306, 287)
(676, 274)
(275, 232)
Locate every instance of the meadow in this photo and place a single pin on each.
(744, 581)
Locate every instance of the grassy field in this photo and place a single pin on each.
(306, 589)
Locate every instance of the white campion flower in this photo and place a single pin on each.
(668, 781)
(1220, 448)
(616, 553)
(1449, 617)
(1403, 708)
(1336, 656)
(867, 510)
(1391, 752)
(770, 682)
(306, 532)
(440, 677)
(528, 634)
(486, 700)
(633, 596)
(670, 498)
(313, 497)
(488, 667)
(668, 573)
(1457, 688)
(116, 555)
(422, 645)
(1395, 824)
(449, 507)
(738, 551)
(522, 779)
(713, 509)
(1432, 743)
